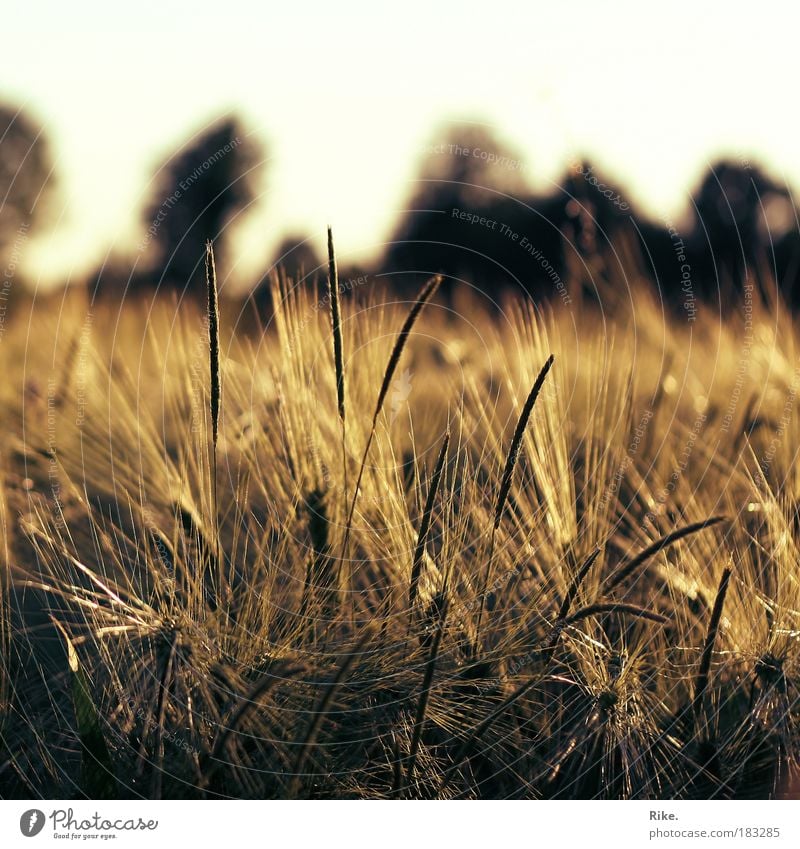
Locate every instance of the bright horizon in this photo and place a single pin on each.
(346, 99)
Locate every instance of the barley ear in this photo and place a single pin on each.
(615, 607)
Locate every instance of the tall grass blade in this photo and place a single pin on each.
(213, 342)
(508, 476)
(701, 683)
(336, 326)
(424, 696)
(575, 585)
(426, 293)
(425, 524)
(616, 578)
(616, 607)
(306, 747)
(216, 397)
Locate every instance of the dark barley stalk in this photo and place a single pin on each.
(165, 686)
(701, 684)
(336, 325)
(750, 421)
(551, 643)
(516, 441)
(655, 404)
(572, 591)
(668, 539)
(320, 712)
(249, 702)
(424, 696)
(426, 293)
(615, 607)
(216, 395)
(213, 341)
(425, 524)
(397, 766)
(575, 585)
(483, 727)
(507, 479)
(338, 349)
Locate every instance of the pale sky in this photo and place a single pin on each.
(347, 94)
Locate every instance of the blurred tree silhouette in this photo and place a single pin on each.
(731, 233)
(198, 191)
(466, 170)
(26, 176)
(475, 218)
(469, 159)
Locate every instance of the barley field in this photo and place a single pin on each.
(370, 546)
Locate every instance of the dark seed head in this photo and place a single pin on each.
(607, 700)
(769, 670)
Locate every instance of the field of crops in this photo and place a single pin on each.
(372, 547)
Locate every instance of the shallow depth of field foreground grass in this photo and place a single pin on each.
(575, 578)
